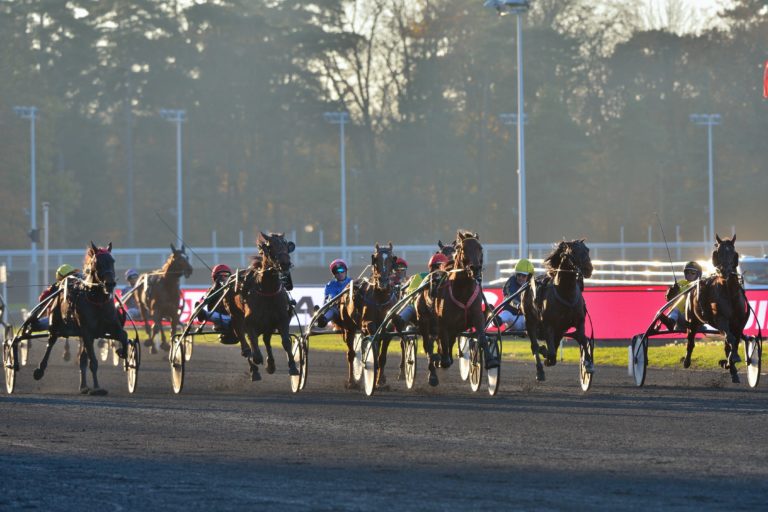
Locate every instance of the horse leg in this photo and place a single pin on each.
(67, 354)
(40, 370)
(428, 343)
(270, 356)
(94, 366)
(254, 358)
(691, 335)
(163, 343)
(733, 355)
(401, 375)
(533, 336)
(381, 379)
(156, 326)
(145, 319)
(581, 338)
(82, 357)
(349, 339)
(292, 369)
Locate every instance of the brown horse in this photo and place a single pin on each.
(455, 306)
(158, 294)
(556, 303)
(87, 309)
(363, 310)
(259, 304)
(719, 301)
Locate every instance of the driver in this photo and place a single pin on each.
(512, 316)
(220, 318)
(334, 287)
(41, 323)
(676, 318)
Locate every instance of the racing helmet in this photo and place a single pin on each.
(338, 264)
(64, 270)
(218, 269)
(437, 259)
(400, 263)
(524, 266)
(131, 272)
(692, 265)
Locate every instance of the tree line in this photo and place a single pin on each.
(609, 88)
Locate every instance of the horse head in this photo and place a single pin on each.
(382, 263)
(449, 251)
(276, 251)
(99, 265)
(572, 256)
(178, 262)
(725, 258)
(469, 254)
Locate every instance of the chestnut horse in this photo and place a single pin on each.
(364, 307)
(87, 309)
(158, 294)
(719, 301)
(259, 304)
(454, 306)
(556, 303)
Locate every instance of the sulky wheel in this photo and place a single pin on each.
(493, 375)
(304, 362)
(585, 377)
(639, 358)
(299, 357)
(132, 363)
(475, 364)
(370, 350)
(463, 357)
(357, 363)
(753, 351)
(10, 365)
(176, 358)
(188, 346)
(409, 361)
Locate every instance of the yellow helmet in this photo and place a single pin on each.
(524, 267)
(63, 271)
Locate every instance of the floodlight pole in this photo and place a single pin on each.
(31, 114)
(341, 118)
(518, 7)
(709, 120)
(178, 117)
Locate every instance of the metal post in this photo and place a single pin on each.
(650, 243)
(178, 117)
(46, 205)
(623, 247)
(31, 114)
(709, 120)
(522, 229)
(679, 241)
(341, 118)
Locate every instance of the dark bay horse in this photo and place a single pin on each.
(259, 303)
(719, 301)
(87, 309)
(556, 303)
(363, 310)
(158, 294)
(457, 305)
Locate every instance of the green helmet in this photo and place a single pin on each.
(524, 267)
(63, 271)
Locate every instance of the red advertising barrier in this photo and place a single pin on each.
(618, 312)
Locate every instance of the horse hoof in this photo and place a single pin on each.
(85, 390)
(723, 364)
(547, 362)
(351, 385)
(382, 380)
(735, 378)
(271, 366)
(38, 373)
(245, 352)
(147, 342)
(66, 356)
(98, 392)
(165, 346)
(152, 349)
(543, 351)
(255, 376)
(382, 387)
(433, 380)
(293, 371)
(257, 357)
(540, 376)
(401, 375)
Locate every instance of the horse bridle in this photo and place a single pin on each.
(94, 275)
(459, 257)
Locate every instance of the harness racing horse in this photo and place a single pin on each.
(364, 307)
(158, 295)
(556, 304)
(457, 306)
(719, 301)
(259, 303)
(86, 309)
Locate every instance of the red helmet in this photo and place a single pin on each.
(337, 264)
(218, 269)
(437, 259)
(401, 263)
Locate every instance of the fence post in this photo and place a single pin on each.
(677, 240)
(623, 247)
(213, 246)
(650, 243)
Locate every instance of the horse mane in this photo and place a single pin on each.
(167, 264)
(555, 257)
(465, 233)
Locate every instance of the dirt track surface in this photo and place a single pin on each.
(686, 440)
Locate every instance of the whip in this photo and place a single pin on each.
(186, 245)
(669, 255)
